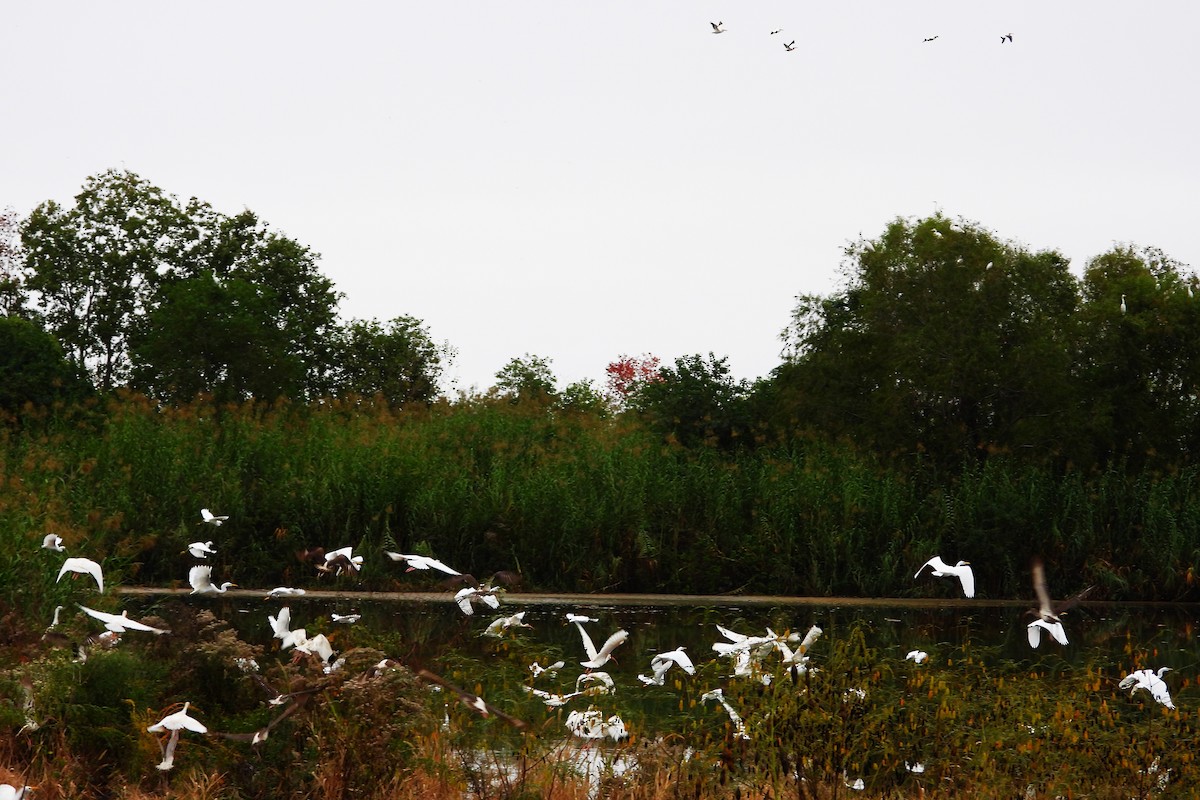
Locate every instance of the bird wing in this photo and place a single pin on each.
(1058, 632)
(200, 577)
(967, 576)
(588, 646)
(84, 566)
(463, 598)
(732, 636)
(1039, 586)
(936, 563)
(206, 515)
(282, 623)
(1034, 631)
(612, 642)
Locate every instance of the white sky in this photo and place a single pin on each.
(579, 180)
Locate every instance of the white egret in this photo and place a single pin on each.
(178, 721)
(209, 518)
(468, 595)
(1055, 629)
(664, 661)
(598, 658)
(917, 656)
(82, 566)
(281, 625)
(284, 591)
(1151, 682)
(342, 560)
(961, 570)
(52, 541)
(591, 724)
(915, 768)
(200, 577)
(549, 698)
(421, 562)
(597, 682)
(738, 724)
(716, 27)
(201, 549)
(537, 669)
(580, 618)
(500, 625)
(345, 619)
(10, 792)
(1123, 307)
(54, 622)
(121, 623)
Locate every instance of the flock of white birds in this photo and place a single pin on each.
(748, 654)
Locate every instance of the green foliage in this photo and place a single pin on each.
(528, 379)
(33, 369)
(695, 402)
(398, 362)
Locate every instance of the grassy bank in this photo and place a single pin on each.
(573, 501)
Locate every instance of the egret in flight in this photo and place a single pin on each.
(500, 625)
(345, 619)
(598, 658)
(82, 566)
(421, 562)
(209, 518)
(1054, 628)
(52, 541)
(200, 577)
(201, 549)
(178, 721)
(961, 570)
(121, 623)
(468, 595)
(1151, 682)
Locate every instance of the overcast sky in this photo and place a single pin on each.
(579, 180)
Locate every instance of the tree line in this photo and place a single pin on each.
(944, 343)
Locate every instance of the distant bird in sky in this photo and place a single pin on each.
(52, 541)
(930, 39)
(119, 623)
(777, 30)
(209, 518)
(961, 570)
(790, 46)
(82, 566)
(716, 27)
(1006, 38)
(201, 549)
(200, 577)
(421, 562)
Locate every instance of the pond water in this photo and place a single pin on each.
(429, 631)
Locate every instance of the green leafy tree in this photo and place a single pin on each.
(246, 314)
(95, 265)
(1139, 356)
(397, 360)
(697, 401)
(944, 340)
(527, 379)
(12, 293)
(33, 368)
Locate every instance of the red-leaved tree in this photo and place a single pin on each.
(628, 373)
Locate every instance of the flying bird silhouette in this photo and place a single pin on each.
(790, 46)
(1006, 38)
(716, 26)
(930, 39)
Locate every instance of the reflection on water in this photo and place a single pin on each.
(434, 634)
